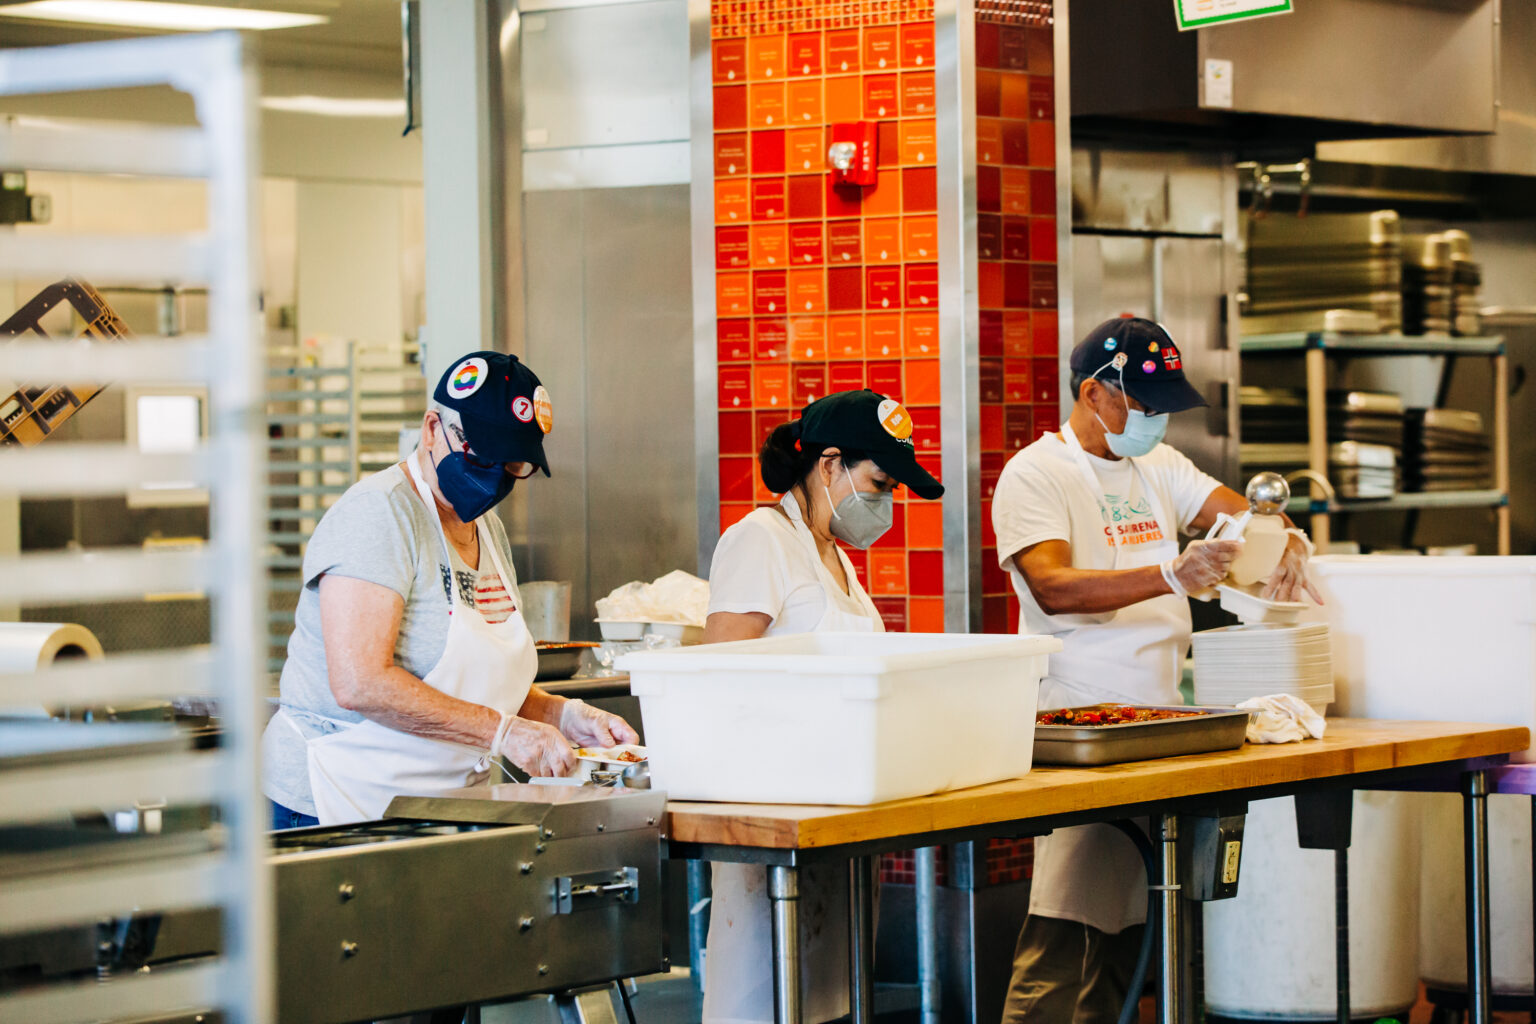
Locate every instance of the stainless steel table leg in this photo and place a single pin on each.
(1169, 907)
(698, 919)
(861, 939)
(784, 893)
(926, 892)
(1474, 795)
(1341, 934)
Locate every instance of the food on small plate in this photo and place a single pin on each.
(1109, 714)
(628, 753)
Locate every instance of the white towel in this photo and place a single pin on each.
(1282, 718)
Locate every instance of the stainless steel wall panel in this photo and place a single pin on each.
(653, 163)
(1190, 304)
(1152, 191)
(605, 76)
(701, 208)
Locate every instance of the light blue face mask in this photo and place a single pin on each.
(1143, 431)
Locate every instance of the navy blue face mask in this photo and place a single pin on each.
(472, 489)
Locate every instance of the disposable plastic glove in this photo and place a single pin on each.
(591, 727)
(536, 748)
(1203, 564)
(1289, 580)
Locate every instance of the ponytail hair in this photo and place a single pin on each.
(785, 461)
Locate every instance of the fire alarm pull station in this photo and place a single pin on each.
(852, 155)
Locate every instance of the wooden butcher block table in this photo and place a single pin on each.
(1355, 754)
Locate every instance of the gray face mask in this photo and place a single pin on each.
(860, 519)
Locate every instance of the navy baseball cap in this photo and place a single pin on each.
(1142, 354)
(504, 409)
(869, 422)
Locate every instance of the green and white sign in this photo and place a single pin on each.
(1200, 13)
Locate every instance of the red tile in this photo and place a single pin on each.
(845, 376)
(735, 387)
(731, 248)
(893, 612)
(994, 615)
(844, 99)
(767, 152)
(1018, 427)
(925, 431)
(884, 376)
(805, 196)
(883, 199)
(804, 150)
(1042, 238)
(989, 190)
(989, 285)
(925, 574)
(736, 476)
(1013, 48)
(732, 205)
(882, 288)
(845, 337)
(989, 236)
(845, 288)
(733, 340)
(926, 615)
(881, 48)
(923, 382)
(844, 242)
(1047, 419)
(768, 198)
(882, 337)
(764, 422)
(730, 107)
(1015, 143)
(1042, 51)
(770, 339)
(1016, 333)
(1016, 381)
(843, 200)
(1013, 95)
(1042, 98)
(808, 382)
(1042, 193)
(769, 292)
(990, 335)
(989, 92)
(1042, 286)
(989, 141)
(736, 434)
(921, 282)
(1015, 190)
(919, 189)
(1015, 238)
(887, 144)
(731, 514)
(917, 94)
(730, 154)
(1045, 332)
(842, 50)
(765, 103)
(881, 97)
(807, 291)
(922, 335)
(807, 338)
(766, 57)
(917, 45)
(770, 386)
(1016, 278)
(804, 239)
(991, 430)
(729, 60)
(733, 294)
(887, 573)
(1047, 381)
(920, 238)
(1042, 144)
(803, 102)
(991, 379)
(882, 240)
(988, 48)
(925, 524)
(805, 54)
(993, 579)
(770, 246)
(918, 142)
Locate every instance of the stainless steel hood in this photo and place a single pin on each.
(1333, 69)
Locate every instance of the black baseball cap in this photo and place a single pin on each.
(869, 422)
(1152, 370)
(504, 409)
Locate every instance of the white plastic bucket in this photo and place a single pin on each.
(839, 718)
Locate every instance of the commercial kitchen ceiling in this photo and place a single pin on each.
(361, 35)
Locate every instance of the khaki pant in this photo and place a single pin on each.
(1070, 973)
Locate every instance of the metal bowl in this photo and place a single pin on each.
(559, 660)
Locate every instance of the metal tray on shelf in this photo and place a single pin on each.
(1209, 730)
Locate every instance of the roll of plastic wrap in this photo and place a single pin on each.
(31, 646)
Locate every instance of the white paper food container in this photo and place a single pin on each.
(839, 718)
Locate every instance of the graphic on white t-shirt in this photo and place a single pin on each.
(1129, 517)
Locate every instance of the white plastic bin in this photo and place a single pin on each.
(839, 718)
(1447, 639)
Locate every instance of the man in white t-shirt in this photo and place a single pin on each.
(1087, 523)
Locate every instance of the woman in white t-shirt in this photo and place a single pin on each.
(780, 571)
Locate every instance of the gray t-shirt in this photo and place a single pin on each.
(382, 532)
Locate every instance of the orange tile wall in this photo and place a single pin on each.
(822, 289)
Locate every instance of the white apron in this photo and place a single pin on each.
(1092, 874)
(738, 971)
(356, 771)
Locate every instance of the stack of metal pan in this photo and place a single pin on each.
(1365, 428)
(1325, 272)
(1441, 285)
(1446, 450)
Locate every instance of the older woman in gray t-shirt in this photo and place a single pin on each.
(410, 666)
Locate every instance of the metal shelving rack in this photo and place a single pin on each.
(1317, 347)
(219, 864)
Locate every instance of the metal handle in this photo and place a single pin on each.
(596, 889)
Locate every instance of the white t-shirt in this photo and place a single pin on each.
(1043, 495)
(767, 563)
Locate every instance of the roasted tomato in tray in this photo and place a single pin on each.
(1109, 714)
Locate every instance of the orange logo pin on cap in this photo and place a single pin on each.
(895, 419)
(543, 410)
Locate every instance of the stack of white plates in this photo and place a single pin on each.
(1236, 663)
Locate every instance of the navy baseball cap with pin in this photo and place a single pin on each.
(869, 422)
(504, 409)
(1151, 368)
